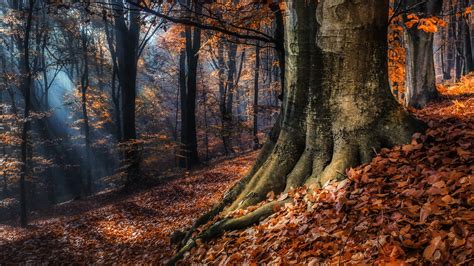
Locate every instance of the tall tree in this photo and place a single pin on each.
(115, 90)
(188, 89)
(127, 30)
(256, 143)
(420, 69)
(85, 115)
(448, 48)
(465, 37)
(337, 107)
(23, 44)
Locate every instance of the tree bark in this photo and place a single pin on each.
(85, 115)
(466, 40)
(188, 92)
(256, 142)
(279, 36)
(337, 106)
(127, 42)
(25, 86)
(420, 70)
(114, 88)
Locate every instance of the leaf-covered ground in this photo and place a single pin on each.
(412, 204)
(111, 228)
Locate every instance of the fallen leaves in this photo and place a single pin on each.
(410, 205)
(118, 229)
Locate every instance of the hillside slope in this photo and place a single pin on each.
(410, 204)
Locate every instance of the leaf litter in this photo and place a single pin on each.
(122, 229)
(412, 204)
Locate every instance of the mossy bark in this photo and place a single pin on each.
(337, 105)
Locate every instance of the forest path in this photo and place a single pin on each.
(110, 228)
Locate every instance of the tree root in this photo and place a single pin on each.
(182, 238)
(229, 224)
(286, 163)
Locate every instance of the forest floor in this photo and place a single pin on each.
(413, 203)
(116, 228)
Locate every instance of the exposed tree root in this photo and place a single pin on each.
(236, 190)
(228, 224)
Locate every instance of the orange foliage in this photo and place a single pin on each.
(397, 50)
(429, 24)
(396, 58)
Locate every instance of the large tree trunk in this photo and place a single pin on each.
(337, 107)
(420, 70)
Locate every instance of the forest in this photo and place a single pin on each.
(230, 132)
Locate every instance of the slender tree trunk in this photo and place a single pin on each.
(110, 37)
(280, 44)
(223, 91)
(227, 97)
(116, 101)
(25, 85)
(450, 44)
(459, 42)
(50, 182)
(5, 192)
(206, 119)
(176, 115)
(466, 41)
(85, 115)
(192, 56)
(127, 42)
(183, 152)
(188, 112)
(420, 70)
(256, 144)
